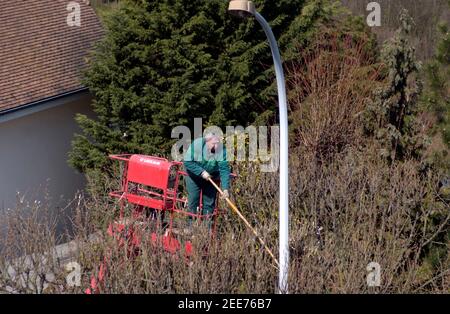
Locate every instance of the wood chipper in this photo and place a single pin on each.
(150, 189)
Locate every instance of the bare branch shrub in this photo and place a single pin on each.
(329, 86)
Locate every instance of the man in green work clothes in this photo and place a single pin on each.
(206, 158)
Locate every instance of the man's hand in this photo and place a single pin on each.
(226, 194)
(205, 175)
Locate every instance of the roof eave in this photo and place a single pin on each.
(39, 105)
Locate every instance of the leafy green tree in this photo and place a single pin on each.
(162, 63)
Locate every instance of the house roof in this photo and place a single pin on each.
(41, 56)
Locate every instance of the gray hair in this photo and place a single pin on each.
(209, 136)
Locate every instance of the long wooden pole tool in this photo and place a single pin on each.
(245, 221)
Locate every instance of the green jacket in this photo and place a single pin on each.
(197, 159)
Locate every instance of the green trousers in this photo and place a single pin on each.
(196, 184)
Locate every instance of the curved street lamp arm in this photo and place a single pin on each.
(284, 175)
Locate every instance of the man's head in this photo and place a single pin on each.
(212, 142)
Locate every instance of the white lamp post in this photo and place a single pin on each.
(246, 9)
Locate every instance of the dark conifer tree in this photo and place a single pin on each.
(164, 62)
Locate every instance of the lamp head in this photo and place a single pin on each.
(242, 8)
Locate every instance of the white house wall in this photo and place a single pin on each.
(33, 156)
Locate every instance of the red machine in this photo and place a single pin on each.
(150, 188)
